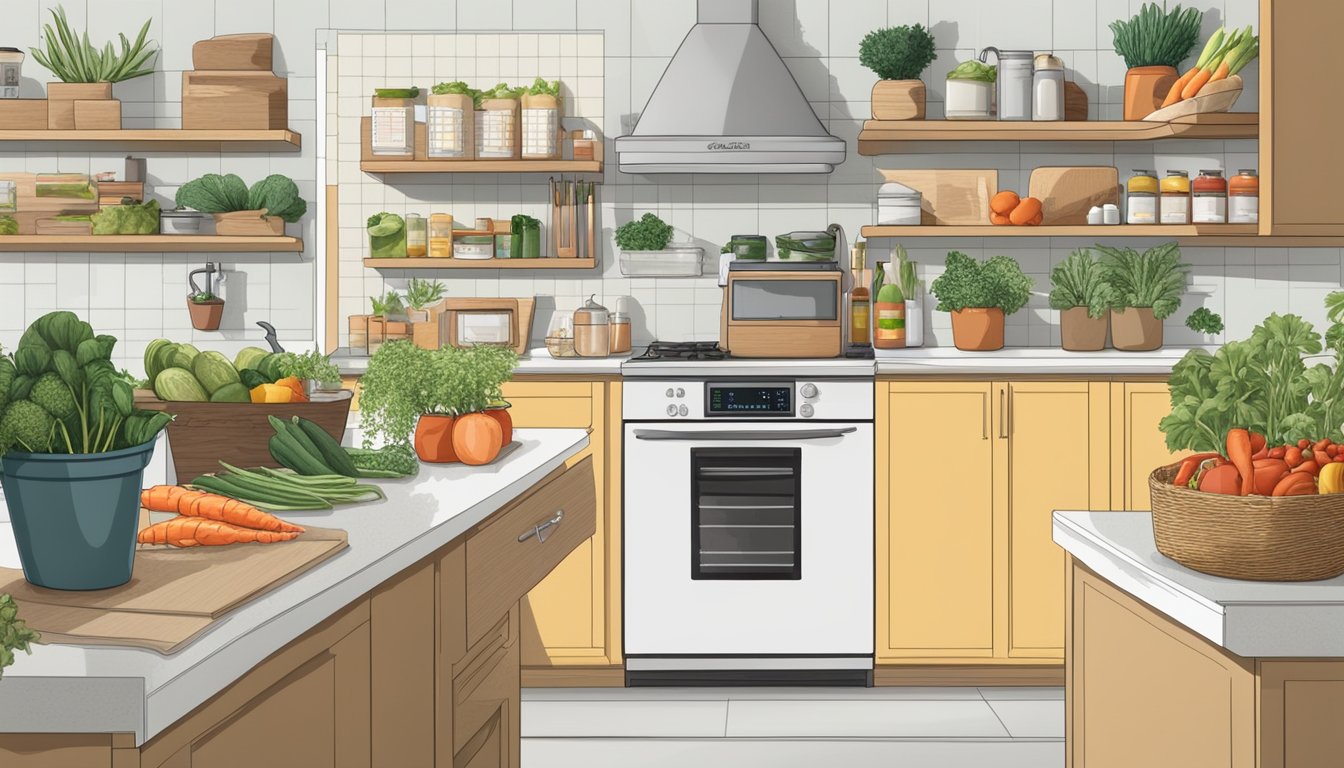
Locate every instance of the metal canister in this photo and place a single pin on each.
(1014, 82)
(592, 329)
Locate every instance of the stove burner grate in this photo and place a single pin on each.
(682, 350)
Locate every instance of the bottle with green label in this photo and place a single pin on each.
(888, 314)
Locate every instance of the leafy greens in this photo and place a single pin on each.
(998, 282)
(1079, 281)
(1154, 278)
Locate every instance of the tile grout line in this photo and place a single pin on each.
(994, 712)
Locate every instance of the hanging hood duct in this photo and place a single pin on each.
(727, 104)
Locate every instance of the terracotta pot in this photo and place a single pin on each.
(978, 329)
(898, 100)
(205, 315)
(1080, 333)
(1135, 330)
(1145, 88)
(500, 413)
(434, 438)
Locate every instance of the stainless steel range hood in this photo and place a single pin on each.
(727, 104)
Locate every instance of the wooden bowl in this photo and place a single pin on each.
(1214, 97)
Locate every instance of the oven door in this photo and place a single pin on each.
(748, 539)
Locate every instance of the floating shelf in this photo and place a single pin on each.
(162, 140)
(149, 244)
(429, 263)
(880, 137)
(481, 166)
(1183, 231)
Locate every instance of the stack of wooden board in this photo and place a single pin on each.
(233, 87)
(48, 215)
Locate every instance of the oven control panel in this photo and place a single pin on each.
(747, 399)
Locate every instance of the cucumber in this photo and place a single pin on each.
(293, 455)
(333, 454)
(300, 438)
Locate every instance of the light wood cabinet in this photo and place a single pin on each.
(1138, 445)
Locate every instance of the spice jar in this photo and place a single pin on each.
(620, 327)
(1243, 198)
(1142, 197)
(1210, 198)
(592, 333)
(417, 236)
(1047, 88)
(1175, 201)
(441, 235)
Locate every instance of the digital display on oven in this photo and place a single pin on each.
(750, 400)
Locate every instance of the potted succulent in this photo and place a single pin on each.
(979, 296)
(439, 400)
(420, 295)
(1153, 43)
(240, 211)
(1147, 289)
(1205, 322)
(1078, 289)
(898, 55)
(73, 449)
(206, 310)
(83, 97)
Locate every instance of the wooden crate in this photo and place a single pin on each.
(234, 100)
(23, 114)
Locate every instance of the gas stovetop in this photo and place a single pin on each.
(704, 359)
(681, 350)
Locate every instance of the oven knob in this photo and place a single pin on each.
(682, 411)
(805, 410)
(669, 391)
(681, 392)
(809, 391)
(671, 410)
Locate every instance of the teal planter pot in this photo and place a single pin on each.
(75, 515)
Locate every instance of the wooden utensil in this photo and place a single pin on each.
(566, 248)
(1066, 193)
(951, 197)
(592, 218)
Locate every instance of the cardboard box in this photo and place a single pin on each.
(234, 100)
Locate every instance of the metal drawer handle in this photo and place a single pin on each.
(542, 530)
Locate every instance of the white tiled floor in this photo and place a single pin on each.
(787, 727)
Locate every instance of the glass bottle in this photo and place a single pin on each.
(1209, 205)
(441, 235)
(1243, 198)
(417, 236)
(860, 304)
(1175, 200)
(1142, 197)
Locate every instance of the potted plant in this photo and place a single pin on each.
(314, 369)
(83, 97)
(14, 633)
(979, 296)
(1078, 289)
(1147, 289)
(388, 321)
(440, 398)
(206, 310)
(240, 211)
(1153, 43)
(645, 251)
(898, 55)
(1205, 322)
(421, 294)
(73, 449)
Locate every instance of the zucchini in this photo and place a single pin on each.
(333, 455)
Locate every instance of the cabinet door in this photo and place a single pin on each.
(486, 701)
(1057, 439)
(935, 499)
(1140, 447)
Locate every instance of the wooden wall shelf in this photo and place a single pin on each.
(149, 244)
(161, 140)
(880, 137)
(1187, 231)
(428, 263)
(481, 166)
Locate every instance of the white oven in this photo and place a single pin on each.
(748, 531)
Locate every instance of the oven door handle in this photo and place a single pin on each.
(744, 434)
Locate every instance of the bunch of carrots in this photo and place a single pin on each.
(1223, 56)
(1251, 467)
(209, 520)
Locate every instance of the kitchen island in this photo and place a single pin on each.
(1168, 666)
(411, 633)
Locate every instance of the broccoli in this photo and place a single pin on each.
(27, 426)
(54, 396)
(7, 374)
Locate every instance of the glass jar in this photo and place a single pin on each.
(1014, 82)
(620, 327)
(9, 197)
(1175, 202)
(417, 236)
(441, 235)
(592, 330)
(1142, 197)
(1209, 205)
(1243, 197)
(1047, 98)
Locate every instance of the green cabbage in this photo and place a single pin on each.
(213, 193)
(974, 70)
(279, 195)
(141, 219)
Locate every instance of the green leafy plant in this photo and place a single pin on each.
(279, 196)
(541, 87)
(391, 303)
(61, 393)
(1206, 321)
(309, 365)
(972, 69)
(124, 219)
(423, 293)
(459, 88)
(647, 233)
(14, 633)
(1156, 36)
(898, 53)
(1079, 281)
(997, 282)
(213, 193)
(202, 297)
(405, 381)
(1154, 278)
(503, 91)
(76, 60)
(387, 235)
(8, 225)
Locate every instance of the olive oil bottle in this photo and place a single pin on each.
(860, 304)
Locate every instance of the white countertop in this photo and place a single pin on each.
(1248, 618)
(98, 689)
(1030, 360)
(537, 362)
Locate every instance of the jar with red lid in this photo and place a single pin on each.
(1243, 197)
(1209, 203)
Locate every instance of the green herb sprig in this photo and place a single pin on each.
(647, 233)
(1206, 321)
(1079, 281)
(76, 60)
(310, 365)
(967, 283)
(14, 633)
(898, 53)
(423, 293)
(1157, 37)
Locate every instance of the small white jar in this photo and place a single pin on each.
(968, 100)
(898, 204)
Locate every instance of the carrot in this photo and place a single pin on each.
(1278, 453)
(1174, 95)
(174, 498)
(1293, 455)
(1222, 479)
(1322, 458)
(1258, 442)
(199, 532)
(1239, 453)
(1268, 473)
(1308, 467)
(1332, 449)
(1189, 465)
(1220, 72)
(1295, 485)
(1197, 82)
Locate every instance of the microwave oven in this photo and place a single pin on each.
(783, 312)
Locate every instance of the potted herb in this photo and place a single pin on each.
(73, 449)
(1147, 289)
(647, 233)
(314, 369)
(240, 211)
(898, 55)
(541, 120)
(457, 100)
(420, 295)
(439, 400)
(83, 97)
(389, 320)
(14, 633)
(979, 296)
(1205, 321)
(206, 310)
(1078, 289)
(1153, 43)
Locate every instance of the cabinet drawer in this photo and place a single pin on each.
(485, 685)
(501, 569)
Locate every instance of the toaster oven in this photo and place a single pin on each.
(783, 312)
(466, 323)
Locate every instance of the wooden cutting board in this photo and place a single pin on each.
(234, 52)
(951, 197)
(1067, 192)
(174, 594)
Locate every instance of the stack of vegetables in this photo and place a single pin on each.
(183, 373)
(1224, 55)
(1263, 422)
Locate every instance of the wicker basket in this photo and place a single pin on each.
(1294, 538)
(204, 434)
